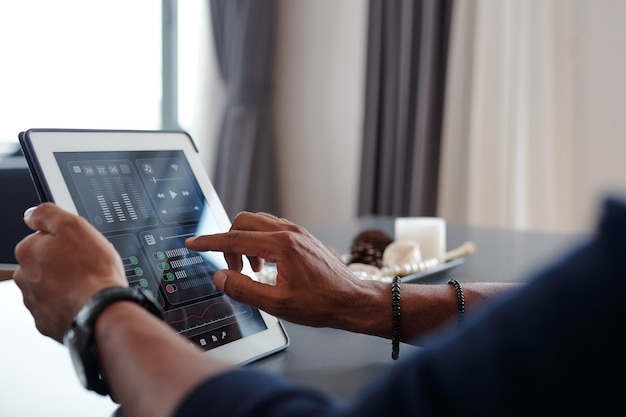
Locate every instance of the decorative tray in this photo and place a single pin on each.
(408, 272)
(433, 272)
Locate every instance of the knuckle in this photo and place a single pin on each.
(232, 239)
(69, 223)
(296, 228)
(288, 239)
(241, 217)
(20, 250)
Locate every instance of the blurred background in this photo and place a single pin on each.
(496, 113)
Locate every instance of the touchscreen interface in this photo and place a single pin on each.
(147, 204)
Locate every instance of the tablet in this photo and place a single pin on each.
(147, 191)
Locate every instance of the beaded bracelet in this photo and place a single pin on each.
(460, 298)
(395, 309)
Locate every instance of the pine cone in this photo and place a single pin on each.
(368, 247)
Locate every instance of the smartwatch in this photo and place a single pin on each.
(80, 337)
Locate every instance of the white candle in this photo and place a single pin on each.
(429, 232)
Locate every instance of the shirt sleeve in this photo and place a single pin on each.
(252, 392)
(553, 347)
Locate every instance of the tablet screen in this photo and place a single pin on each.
(147, 203)
(146, 192)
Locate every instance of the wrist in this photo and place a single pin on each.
(370, 309)
(80, 337)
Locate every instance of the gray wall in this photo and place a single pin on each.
(320, 81)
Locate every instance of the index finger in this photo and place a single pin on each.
(261, 221)
(262, 245)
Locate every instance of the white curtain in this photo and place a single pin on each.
(519, 122)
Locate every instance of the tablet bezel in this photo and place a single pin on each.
(39, 147)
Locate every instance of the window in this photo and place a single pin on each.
(79, 64)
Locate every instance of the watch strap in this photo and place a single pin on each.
(92, 309)
(84, 323)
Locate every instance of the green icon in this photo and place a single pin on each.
(138, 271)
(160, 255)
(134, 260)
(169, 276)
(143, 282)
(165, 266)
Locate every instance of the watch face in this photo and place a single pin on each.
(71, 340)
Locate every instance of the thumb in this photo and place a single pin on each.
(44, 217)
(244, 289)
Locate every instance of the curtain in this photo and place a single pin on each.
(405, 85)
(509, 151)
(244, 34)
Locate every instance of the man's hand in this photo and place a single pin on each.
(313, 287)
(61, 265)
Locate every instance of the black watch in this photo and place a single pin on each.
(80, 336)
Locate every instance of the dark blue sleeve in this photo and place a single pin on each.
(252, 392)
(556, 346)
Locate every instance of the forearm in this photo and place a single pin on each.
(424, 307)
(139, 352)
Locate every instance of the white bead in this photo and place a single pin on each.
(402, 252)
(365, 271)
